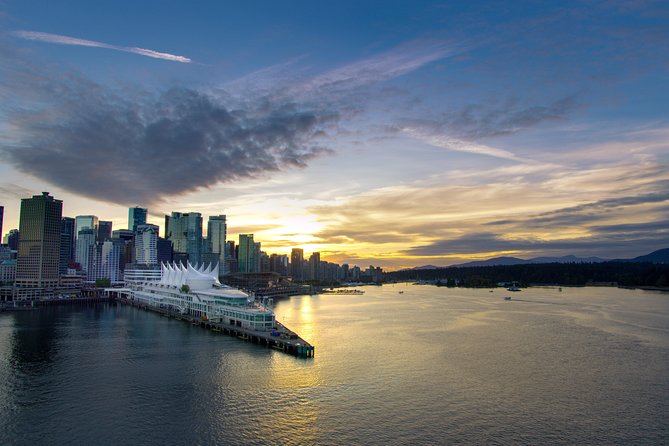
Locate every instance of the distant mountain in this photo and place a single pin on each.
(659, 256)
(506, 261)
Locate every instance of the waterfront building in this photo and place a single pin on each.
(216, 235)
(7, 279)
(136, 273)
(246, 254)
(146, 244)
(85, 222)
(264, 262)
(67, 244)
(38, 258)
(296, 261)
(104, 231)
(107, 261)
(184, 230)
(136, 216)
(197, 292)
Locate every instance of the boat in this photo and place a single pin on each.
(514, 287)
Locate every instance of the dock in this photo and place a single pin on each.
(280, 338)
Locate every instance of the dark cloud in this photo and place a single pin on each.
(132, 146)
(587, 214)
(613, 243)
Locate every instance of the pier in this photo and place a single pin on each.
(280, 338)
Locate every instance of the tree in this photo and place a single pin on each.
(103, 283)
(185, 288)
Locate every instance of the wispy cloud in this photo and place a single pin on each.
(65, 40)
(393, 63)
(447, 142)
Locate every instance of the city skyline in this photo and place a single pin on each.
(418, 133)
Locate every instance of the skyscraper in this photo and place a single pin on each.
(296, 260)
(86, 249)
(314, 266)
(39, 246)
(13, 238)
(245, 254)
(184, 230)
(85, 222)
(104, 231)
(216, 234)
(67, 246)
(136, 217)
(146, 244)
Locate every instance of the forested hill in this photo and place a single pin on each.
(621, 273)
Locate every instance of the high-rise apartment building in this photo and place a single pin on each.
(184, 230)
(296, 261)
(164, 250)
(37, 268)
(314, 266)
(104, 231)
(128, 252)
(136, 216)
(105, 261)
(86, 249)
(146, 244)
(216, 234)
(67, 243)
(246, 262)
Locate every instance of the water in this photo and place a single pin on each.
(428, 366)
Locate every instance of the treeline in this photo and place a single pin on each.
(575, 274)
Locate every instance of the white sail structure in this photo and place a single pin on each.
(177, 275)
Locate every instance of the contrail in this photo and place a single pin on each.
(65, 40)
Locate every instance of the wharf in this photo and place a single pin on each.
(281, 338)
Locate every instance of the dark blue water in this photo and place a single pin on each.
(428, 366)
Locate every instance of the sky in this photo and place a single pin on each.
(394, 133)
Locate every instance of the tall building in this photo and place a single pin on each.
(257, 266)
(164, 249)
(314, 266)
(13, 239)
(246, 262)
(106, 261)
(184, 230)
(104, 231)
(39, 246)
(278, 263)
(67, 246)
(296, 260)
(231, 257)
(216, 234)
(86, 249)
(128, 238)
(136, 217)
(146, 244)
(85, 222)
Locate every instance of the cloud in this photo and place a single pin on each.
(140, 147)
(393, 63)
(450, 143)
(65, 40)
